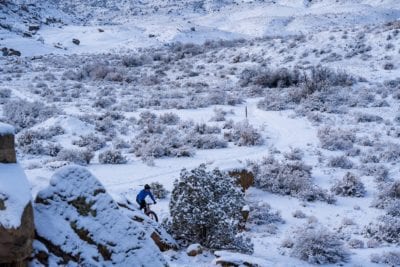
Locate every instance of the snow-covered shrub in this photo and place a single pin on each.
(134, 60)
(169, 143)
(262, 214)
(294, 154)
(355, 243)
(219, 115)
(206, 141)
(23, 114)
(244, 134)
(80, 157)
(393, 208)
(100, 71)
(90, 141)
(158, 190)
(388, 152)
(265, 77)
(119, 143)
(287, 178)
(169, 119)
(331, 100)
(336, 139)
(321, 78)
(5, 94)
(206, 208)
(387, 193)
(340, 162)
(391, 258)
(112, 157)
(104, 102)
(299, 214)
(317, 245)
(279, 100)
(202, 128)
(364, 117)
(350, 186)
(386, 228)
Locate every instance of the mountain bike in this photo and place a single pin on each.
(150, 213)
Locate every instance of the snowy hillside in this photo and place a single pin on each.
(304, 95)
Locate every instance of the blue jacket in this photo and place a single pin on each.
(143, 194)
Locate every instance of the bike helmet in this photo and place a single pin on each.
(146, 186)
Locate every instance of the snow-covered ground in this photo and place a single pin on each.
(127, 66)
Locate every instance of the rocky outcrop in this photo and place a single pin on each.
(16, 213)
(243, 178)
(159, 235)
(16, 243)
(7, 150)
(78, 223)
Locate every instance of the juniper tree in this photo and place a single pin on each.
(206, 208)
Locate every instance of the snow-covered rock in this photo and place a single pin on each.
(16, 214)
(79, 223)
(194, 250)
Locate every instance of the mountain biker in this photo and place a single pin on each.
(141, 197)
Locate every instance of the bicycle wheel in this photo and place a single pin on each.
(152, 216)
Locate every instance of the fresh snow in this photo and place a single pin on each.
(6, 129)
(280, 33)
(15, 192)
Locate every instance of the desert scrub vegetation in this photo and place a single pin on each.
(24, 114)
(287, 178)
(350, 185)
(206, 208)
(315, 244)
(112, 156)
(336, 138)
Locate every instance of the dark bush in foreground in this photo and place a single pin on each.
(206, 208)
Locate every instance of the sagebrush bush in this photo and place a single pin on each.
(244, 134)
(112, 157)
(91, 141)
(391, 258)
(23, 114)
(80, 157)
(355, 243)
(336, 139)
(158, 190)
(287, 178)
(349, 186)
(294, 154)
(206, 208)
(321, 78)
(340, 162)
(262, 214)
(387, 193)
(386, 228)
(317, 245)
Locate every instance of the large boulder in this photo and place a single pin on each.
(159, 235)
(78, 223)
(16, 214)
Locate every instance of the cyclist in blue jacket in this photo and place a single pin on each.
(141, 197)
